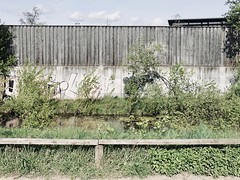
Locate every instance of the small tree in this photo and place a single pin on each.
(31, 18)
(7, 59)
(143, 63)
(142, 66)
(232, 42)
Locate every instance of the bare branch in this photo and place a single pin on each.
(31, 18)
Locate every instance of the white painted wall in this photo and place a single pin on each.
(111, 78)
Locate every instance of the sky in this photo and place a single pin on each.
(111, 12)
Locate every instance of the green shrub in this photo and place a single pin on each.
(33, 104)
(210, 161)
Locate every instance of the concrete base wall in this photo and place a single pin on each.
(68, 78)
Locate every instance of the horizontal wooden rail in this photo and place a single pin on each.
(33, 141)
(164, 142)
(101, 142)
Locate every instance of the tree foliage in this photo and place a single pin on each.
(7, 59)
(232, 43)
(142, 67)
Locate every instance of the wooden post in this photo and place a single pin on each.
(98, 155)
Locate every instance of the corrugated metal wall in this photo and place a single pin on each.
(109, 45)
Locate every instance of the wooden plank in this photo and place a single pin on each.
(61, 45)
(223, 55)
(125, 45)
(164, 42)
(96, 46)
(65, 45)
(33, 141)
(95, 142)
(111, 47)
(51, 46)
(39, 46)
(98, 155)
(164, 142)
(47, 46)
(55, 46)
(32, 45)
(100, 45)
(23, 44)
(70, 46)
(84, 46)
(77, 53)
(91, 46)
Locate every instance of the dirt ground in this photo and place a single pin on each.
(182, 176)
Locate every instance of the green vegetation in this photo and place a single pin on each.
(7, 59)
(119, 161)
(73, 161)
(211, 161)
(156, 106)
(232, 43)
(33, 104)
(159, 102)
(106, 130)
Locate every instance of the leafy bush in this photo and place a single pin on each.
(89, 86)
(33, 104)
(211, 161)
(142, 66)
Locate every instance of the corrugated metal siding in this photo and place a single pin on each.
(110, 45)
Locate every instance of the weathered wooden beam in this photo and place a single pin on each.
(33, 141)
(93, 142)
(169, 142)
(100, 143)
(98, 155)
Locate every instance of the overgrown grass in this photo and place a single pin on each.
(119, 161)
(43, 161)
(73, 161)
(201, 132)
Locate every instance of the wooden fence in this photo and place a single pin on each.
(110, 45)
(103, 142)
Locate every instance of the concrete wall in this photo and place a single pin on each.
(110, 78)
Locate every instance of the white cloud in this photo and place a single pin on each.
(137, 21)
(76, 16)
(102, 15)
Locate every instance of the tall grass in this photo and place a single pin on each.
(73, 161)
(201, 131)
